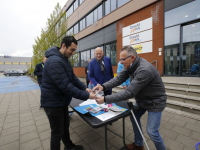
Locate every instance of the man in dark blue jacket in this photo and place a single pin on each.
(100, 69)
(59, 85)
(38, 72)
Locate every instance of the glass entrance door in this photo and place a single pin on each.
(191, 50)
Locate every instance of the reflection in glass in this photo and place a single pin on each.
(171, 64)
(76, 29)
(95, 15)
(75, 60)
(191, 50)
(172, 35)
(111, 51)
(92, 53)
(75, 5)
(185, 13)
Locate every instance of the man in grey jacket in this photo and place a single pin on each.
(146, 87)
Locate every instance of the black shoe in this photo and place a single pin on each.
(74, 147)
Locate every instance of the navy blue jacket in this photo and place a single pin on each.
(59, 83)
(38, 72)
(97, 76)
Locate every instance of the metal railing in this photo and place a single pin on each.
(153, 62)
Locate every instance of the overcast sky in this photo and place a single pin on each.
(21, 22)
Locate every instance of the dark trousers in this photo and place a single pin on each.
(59, 123)
(87, 83)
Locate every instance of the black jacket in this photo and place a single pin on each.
(86, 69)
(38, 72)
(146, 86)
(59, 83)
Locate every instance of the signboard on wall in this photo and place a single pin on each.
(139, 35)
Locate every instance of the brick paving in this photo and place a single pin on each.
(24, 127)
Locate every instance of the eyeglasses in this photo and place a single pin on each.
(120, 60)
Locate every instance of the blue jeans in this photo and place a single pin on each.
(153, 124)
(90, 86)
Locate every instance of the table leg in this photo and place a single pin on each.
(106, 148)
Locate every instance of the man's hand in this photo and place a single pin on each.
(124, 87)
(98, 87)
(88, 90)
(100, 100)
(92, 96)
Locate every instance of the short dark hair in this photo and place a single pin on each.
(130, 50)
(68, 40)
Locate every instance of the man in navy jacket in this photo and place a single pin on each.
(59, 85)
(100, 69)
(38, 72)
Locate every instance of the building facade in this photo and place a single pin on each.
(153, 27)
(8, 62)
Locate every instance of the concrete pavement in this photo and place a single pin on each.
(24, 127)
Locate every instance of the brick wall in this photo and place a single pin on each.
(154, 10)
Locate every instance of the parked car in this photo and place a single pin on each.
(13, 73)
(21, 71)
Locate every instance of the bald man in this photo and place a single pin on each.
(100, 69)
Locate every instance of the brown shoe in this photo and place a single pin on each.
(134, 147)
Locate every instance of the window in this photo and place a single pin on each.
(76, 29)
(70, 11)
(84, 58)
(82, 24)
(107, 7)
(120, 2)
(113, 5)
(95, 15)
(75, 5)
(70, 31)
(75, 59)
(81, 1)
(89, 19)
(92, 53)
(111, 51)
(100, 12)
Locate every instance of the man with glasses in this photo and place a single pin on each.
(146, 87)
(100, 69)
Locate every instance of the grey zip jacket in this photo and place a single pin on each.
(146, 86)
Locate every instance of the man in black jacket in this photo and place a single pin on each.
(38, 72)
(59, 85)
(146, 87)
(86, 72)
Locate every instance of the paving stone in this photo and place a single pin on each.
(45, 135)
(27, 123)
(46, 144)
(1, 124)
(27, 129)
(41, 148)
(13, 112)
(85, 146)
(99, 145)
(75, 123)
(169, 133)
(193, 127)
(8, 139)
(10, 125)
(11, 146)
(150, 144)
(40, 117)
(11, 120)
(82, 129)
(117, 125)
(117, 142)
(25, 114)
(172, 144)
(166, 118)
(38, 113)
(26, 118)
(177, 122)
(188, 120)
(182, 130)
(166, 124)
(186, 140)
(119, 131)
(189, 148)
(90, 137)
(10, 131)
(71, 130)
(43, 127)
(31, 145)
(195, 135)
(28, 136)
(110, 135)
(75, 138)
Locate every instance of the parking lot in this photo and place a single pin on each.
(16, 84)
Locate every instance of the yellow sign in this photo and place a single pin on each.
(28, 63)
(138, 48)
(22, 63)
(1, 63)
(7, 63)
(15, 63)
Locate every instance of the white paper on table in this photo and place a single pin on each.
(88, 102)
(107, 115)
